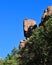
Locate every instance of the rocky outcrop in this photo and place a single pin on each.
(29, 25)
(46, 14)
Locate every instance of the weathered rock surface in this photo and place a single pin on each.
(46, 14)
(28, 25)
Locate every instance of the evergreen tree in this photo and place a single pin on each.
(11, 59)
(38, 49)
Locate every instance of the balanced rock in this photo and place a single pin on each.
(28, 25)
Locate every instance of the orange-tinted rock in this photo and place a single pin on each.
(28, 25)
(47, 12)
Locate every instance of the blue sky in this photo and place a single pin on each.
(12, 14)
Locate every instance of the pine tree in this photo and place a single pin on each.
(38, 49)
(11, 59)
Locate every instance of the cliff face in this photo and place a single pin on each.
(37, 48)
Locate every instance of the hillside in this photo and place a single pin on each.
(36, 49)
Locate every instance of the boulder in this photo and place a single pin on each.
(28, 25)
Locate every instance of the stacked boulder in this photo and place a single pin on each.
(28, 26)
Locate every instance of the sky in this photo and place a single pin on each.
(12, 14)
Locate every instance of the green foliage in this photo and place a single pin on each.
(38, 51)
(1, 61)
(12, 59)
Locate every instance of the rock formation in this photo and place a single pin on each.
(46, 14)
(28, 25)
(36, 49)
